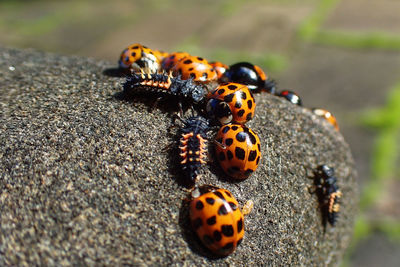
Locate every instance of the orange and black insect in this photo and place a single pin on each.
(193, 146)
(328, 193)
(165, 84)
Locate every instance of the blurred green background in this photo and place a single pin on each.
(343, 56)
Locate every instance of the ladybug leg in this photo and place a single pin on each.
(247, 207)
(180, 109)
(219, 144)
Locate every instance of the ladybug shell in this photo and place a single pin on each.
(239, 99)
(170, 61)
(238, 150)
(327, 116)
(217, 220)
(291, 97)
(220, 68)
(137, 57)
(196, 68)
(160, 55)
(246, 73)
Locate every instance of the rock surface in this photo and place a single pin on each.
(89, 178)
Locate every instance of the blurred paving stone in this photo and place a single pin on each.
(376, 250)
(365, 16)
(86, 178)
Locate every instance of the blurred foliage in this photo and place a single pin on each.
(311, 26)
(373, 40)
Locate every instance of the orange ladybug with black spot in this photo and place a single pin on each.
(196, 68)
(137, 57)
(220, 68)
(216, 217)
(172, 59)
(231, 102)
(238, 150)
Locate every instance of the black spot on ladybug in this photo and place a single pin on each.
(228, 193)
(133, 54)
(259, 147)
(227, 230)
(217, 235)
(233, 206)
(232, 87)
(233, 169)
(250, 103)
(229, 98)
(244, 95)
(212, 220)
(240, 153)
(253, 139)
(221, 91)
(225, 130)
(190, 69)
(229, 155)
(193, 75)
(234, 127)
(200, 58)
(239, 241)
(229, 141)
(135, 47)
(197, 223)
(241, 136)
(218, 194)
(187, 61)
(240, 113)
(249, 116)
(252, 155)
(240, 225)
(227, 247)
(221, 156)
(210, 200)
(258, 160)
(222, 210)
(205, 75)
(238, 104)
(208, 240)
(199, 205)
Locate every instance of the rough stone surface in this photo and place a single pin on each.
(89, 178)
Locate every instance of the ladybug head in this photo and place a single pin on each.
(219, 110)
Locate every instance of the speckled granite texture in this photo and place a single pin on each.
(88, 178)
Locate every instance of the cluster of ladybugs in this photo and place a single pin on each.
(223, 95)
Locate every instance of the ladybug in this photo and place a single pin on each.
(327, 116)
(171, 59)
(290, 96)
(251, 75)
(160, 55)
(196, 68)
(137, 57)
(193, 146)
(238, 150)
(216, 218)
(328, 192)
(231, 102)
(165, 84)
(220, 68)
